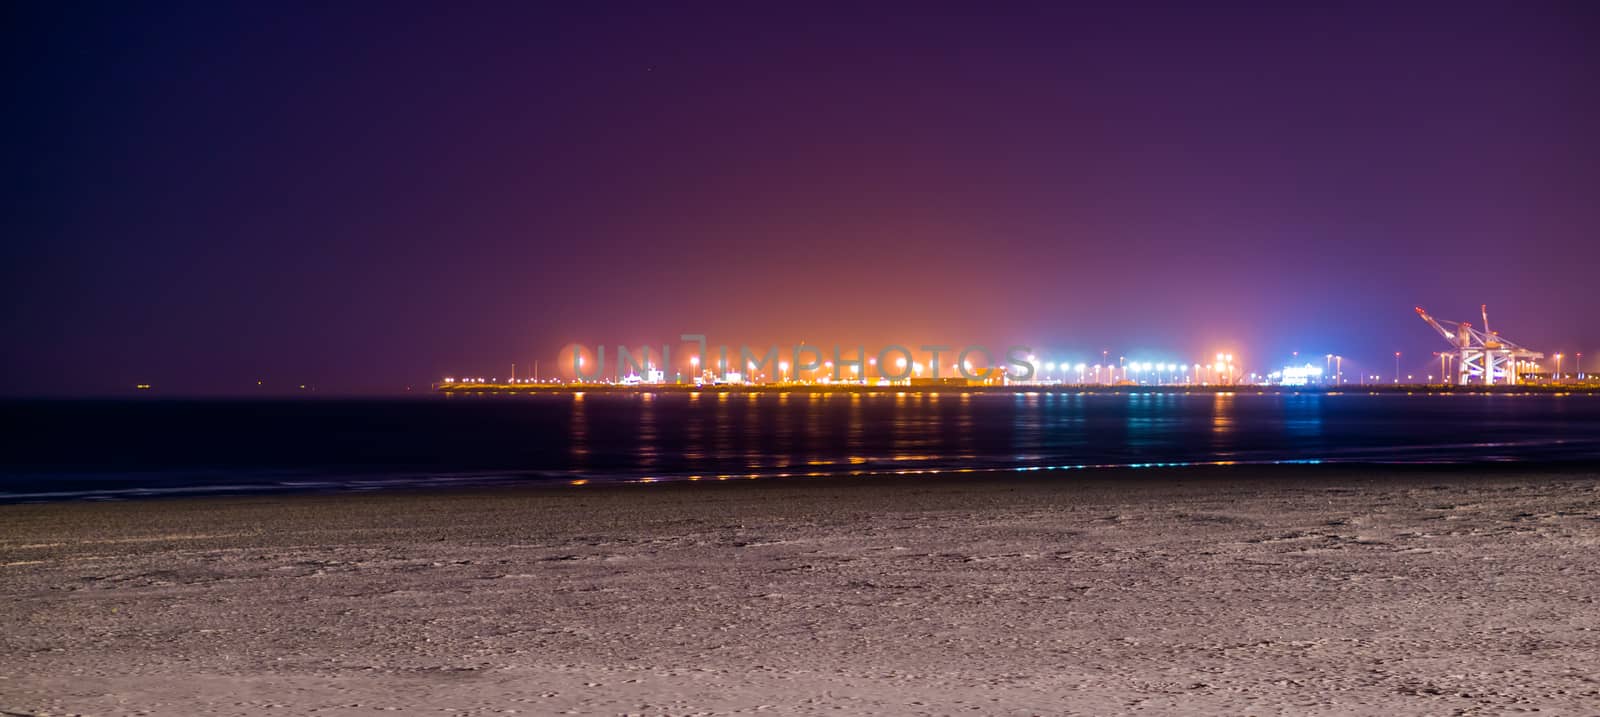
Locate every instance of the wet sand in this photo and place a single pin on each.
(1232, 591)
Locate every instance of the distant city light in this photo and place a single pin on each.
(1296, 375)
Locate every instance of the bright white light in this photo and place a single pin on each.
(1081, 367)
(1051, 366)
(1298, 375)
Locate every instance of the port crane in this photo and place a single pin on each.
(1483, 356)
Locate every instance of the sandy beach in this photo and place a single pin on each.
(1227, 591)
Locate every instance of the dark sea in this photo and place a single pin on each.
(55, 450)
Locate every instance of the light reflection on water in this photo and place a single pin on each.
(772, 433)
(1222, 411)
(596, 437)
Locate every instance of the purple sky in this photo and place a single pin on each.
(365, 196)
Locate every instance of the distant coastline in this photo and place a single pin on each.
(486, 390)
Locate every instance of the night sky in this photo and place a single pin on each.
(363, 196)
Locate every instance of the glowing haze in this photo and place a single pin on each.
(364, 197)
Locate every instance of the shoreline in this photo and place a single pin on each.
(434, 392)
(484, 390)
(511, 482)
(1312, 590)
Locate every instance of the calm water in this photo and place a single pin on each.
(79, 449)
